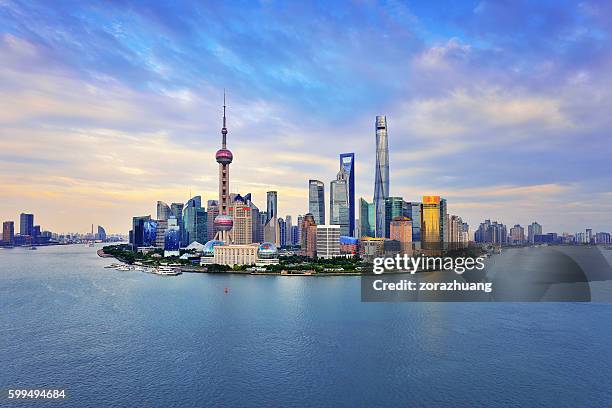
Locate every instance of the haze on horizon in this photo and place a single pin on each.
(501, 107)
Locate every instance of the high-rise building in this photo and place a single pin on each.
(201, 224)
(101, 235)
(316, 200)
(288, 226)
(272, 205)
(588, 233)
(394, 207)
(400, 229)
(492, 233)
(300, 221)
(272, 232)
(328, 241)
(223, 222)
(8, 232)
(261, 230)
(367, 218)
(26, 224)
(172, 237)
(414, 210)
(189, 232)
(339, 203)
(381, 174)
(532, 230)
(162, 226)
(138, 229)
(242, 232)
(430, 224)
(149, 235)
(212, 209)
(295, 235)
(163, 211)
(282, 231)
(517, 235)
(443, 223)
(347, 162)
(309, 236)
(256, 226)
(176, 210)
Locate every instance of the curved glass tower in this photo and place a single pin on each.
(381, 176)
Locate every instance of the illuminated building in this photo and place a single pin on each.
(172, 238)
(430, 224)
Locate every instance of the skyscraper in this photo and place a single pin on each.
(138, 230)
(309, 236)
(394, 207)
(282, 231)
(163, 211)
(190, 220)
(289, 227)
(8, 232)
(443, 223)
(224, 222)
(176, 210)
(347, 162)
(240, 210)
(172, 238)
(272, 205)
(413, 210)
(339, 202)
(381, 174)
(212, 209)
(400, 229)
(367, 218)
(430, 224)
(533, 230)
(316, 201)
(26, 224)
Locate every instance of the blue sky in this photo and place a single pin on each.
(501, 107)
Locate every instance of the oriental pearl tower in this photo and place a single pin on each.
(224, 222)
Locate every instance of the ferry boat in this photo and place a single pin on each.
(167, 271)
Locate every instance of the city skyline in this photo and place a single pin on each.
(501, 129)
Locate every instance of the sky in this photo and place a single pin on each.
(503, 107)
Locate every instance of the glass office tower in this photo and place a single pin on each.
(381, 174)
(347, 163)
(339, 203)
(430, 232)
(394, 207)
(316, 201)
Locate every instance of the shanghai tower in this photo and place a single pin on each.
(381, 176)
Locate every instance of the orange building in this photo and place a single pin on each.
(401, 230)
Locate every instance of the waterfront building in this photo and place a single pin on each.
(267, 254)
(316, 200)
(381, 174)
(457, 232)
(517, 235)
(550, 238)
(176, 210)
(163, 211)
(295, 235)
(391, 247)
(101, 235)
(328, 241)
(26, 224)
(367, 218)
(347, 162)
(339, 202)
(256, 227)
(233, 254)
(300, 221)
(349, 246)
(430, 224)
(603, 238)
(137, 233)
(394, 207)
(160, 236)
(8, 232)
(533, 230)
(172, 238)
(240, 210)
(271, 205)
(208, 252)
(309, 236)
(400, 229)
(492, 233)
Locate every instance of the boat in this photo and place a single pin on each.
(167, 271)
(32, 248)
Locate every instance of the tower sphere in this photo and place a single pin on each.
(223, 223)
(224, 156)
